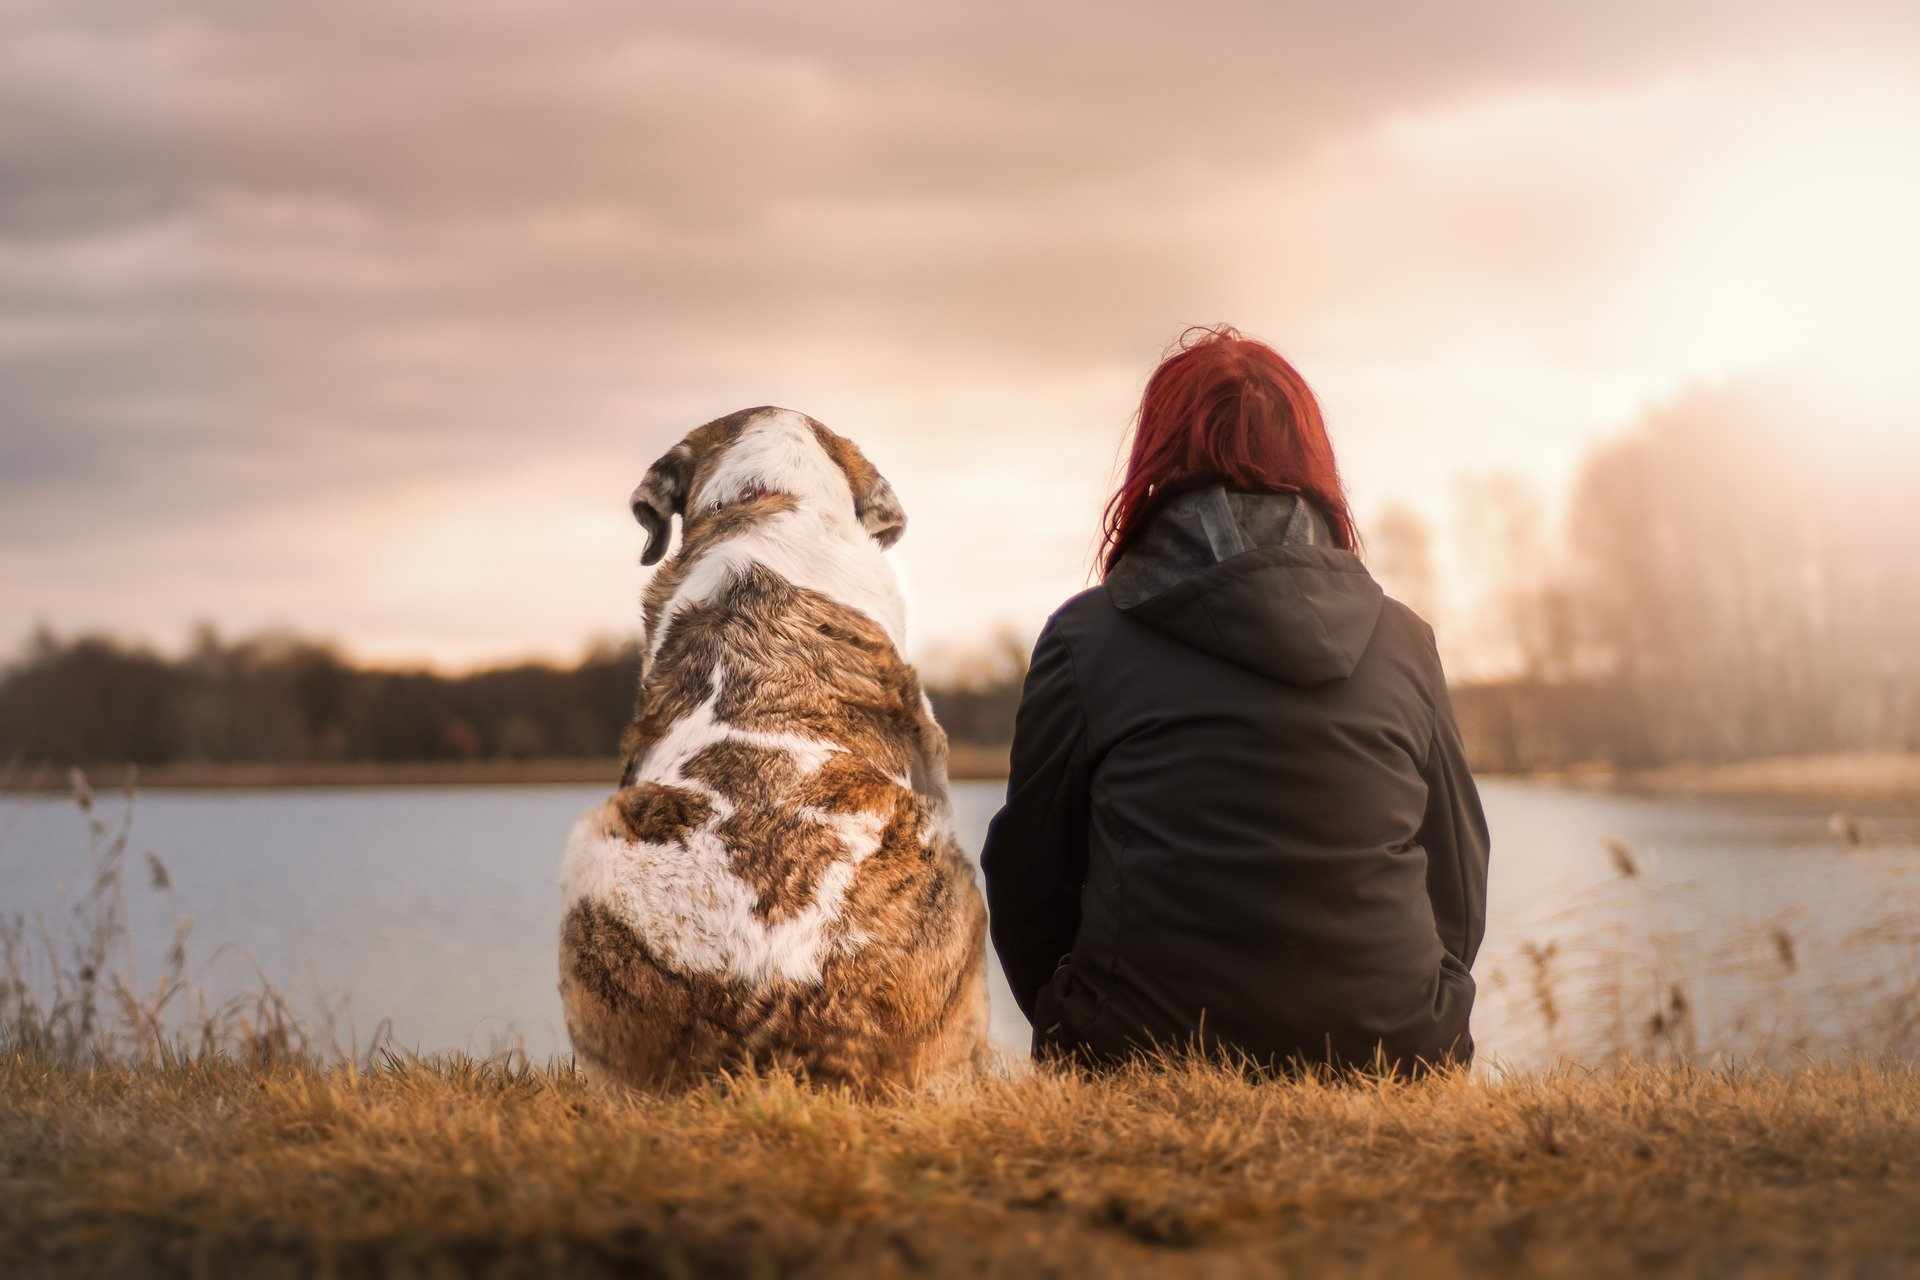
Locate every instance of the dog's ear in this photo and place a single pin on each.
(660, 497)
(874, 502)
(880, 511)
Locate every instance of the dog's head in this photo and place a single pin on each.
(761, 451)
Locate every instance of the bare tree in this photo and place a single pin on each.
(1747, 584)
(1524, 618)
(1400, 552)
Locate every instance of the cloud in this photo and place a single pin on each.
(270, 273)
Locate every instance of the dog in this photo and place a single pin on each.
(776, 884)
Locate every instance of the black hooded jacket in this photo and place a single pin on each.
(1239, 809)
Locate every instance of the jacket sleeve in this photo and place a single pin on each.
(1035, 857)
(1454, 834)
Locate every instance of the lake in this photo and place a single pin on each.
(1615, 922)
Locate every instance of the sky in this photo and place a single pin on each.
(364, 318)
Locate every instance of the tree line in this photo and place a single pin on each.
(281, 698)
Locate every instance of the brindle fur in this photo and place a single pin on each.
(901, 997)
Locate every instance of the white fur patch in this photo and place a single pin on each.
(778, 452)
(687, 902)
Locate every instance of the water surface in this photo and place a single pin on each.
(438, 909)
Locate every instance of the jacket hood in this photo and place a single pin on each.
(1253, 578)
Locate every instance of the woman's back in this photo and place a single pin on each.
(1238, 800)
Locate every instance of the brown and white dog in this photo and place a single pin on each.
(777, 882)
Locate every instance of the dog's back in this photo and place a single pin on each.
(777, 882)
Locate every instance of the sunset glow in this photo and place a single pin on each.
(382, 365)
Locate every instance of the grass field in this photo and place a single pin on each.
(457, 1167)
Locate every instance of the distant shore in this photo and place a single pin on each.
(969, 763)
(1873, 781)
(1868, 780)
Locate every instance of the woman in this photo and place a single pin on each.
(1239, 812)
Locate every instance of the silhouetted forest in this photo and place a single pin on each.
(285, 699)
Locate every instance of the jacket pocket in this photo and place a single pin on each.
(1051, 1036)
(1071, 1021)
(1453, 1014)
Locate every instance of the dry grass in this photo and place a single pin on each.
(74, 996)
(421, 1168)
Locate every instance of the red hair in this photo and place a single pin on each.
(1223, 408)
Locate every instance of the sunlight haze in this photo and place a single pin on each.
(371, 338)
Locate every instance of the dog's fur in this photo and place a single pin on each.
(777, 882)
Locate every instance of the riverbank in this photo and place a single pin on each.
(969, 763)
(420, 1167)
(1872, 782)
